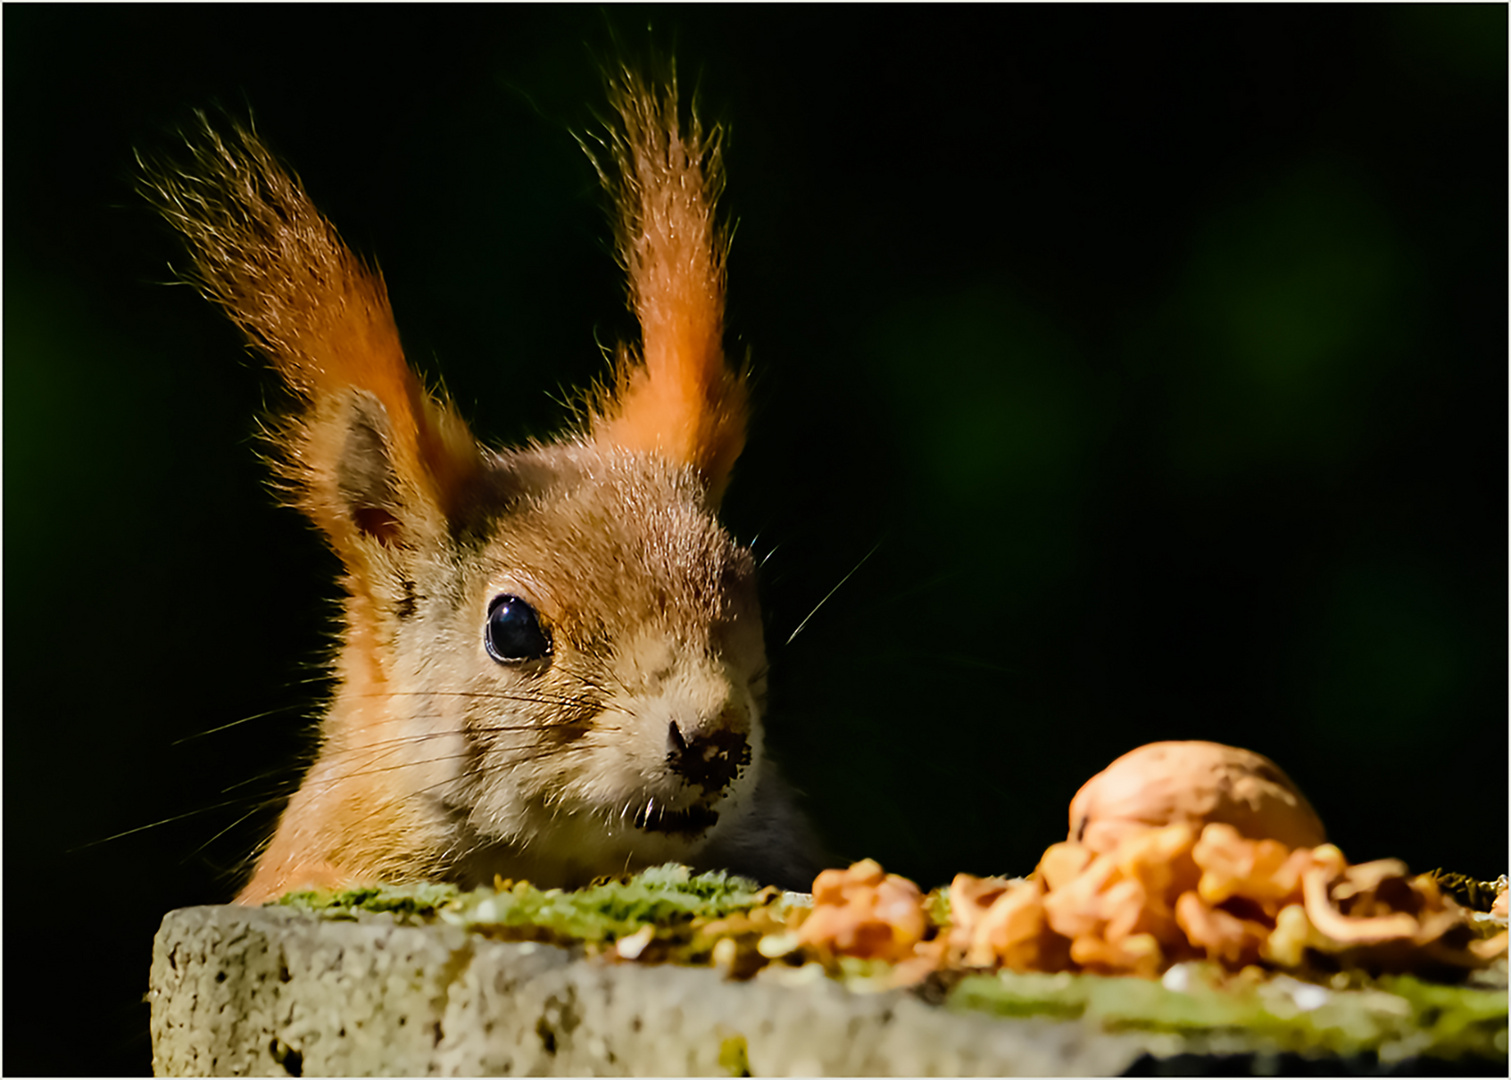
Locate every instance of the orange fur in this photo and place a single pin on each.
(280, 271)
(680, 398)
(438, 759)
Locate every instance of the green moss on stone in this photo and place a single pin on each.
(409, 903)
(669, 898)
(734, 1056)
(1395, 1017)
(664, 897)
(670, 914)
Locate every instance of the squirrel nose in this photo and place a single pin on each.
(710, 759)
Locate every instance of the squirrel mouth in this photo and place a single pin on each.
(688, 822)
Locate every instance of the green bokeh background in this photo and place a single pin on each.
(1157, 356)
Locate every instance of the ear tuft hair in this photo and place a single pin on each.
(279, 270)
(677, 397)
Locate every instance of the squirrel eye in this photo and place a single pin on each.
(514, 633)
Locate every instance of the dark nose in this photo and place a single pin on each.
(710, 759)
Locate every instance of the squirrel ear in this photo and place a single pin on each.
(366, 467)
(369, 455)
(368, 493)
(678, 397)
(367, 483)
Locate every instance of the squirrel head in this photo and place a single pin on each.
(551, 658)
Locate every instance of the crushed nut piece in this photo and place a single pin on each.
(865, 912)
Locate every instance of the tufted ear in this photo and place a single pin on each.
(677, 397)
(371, 457)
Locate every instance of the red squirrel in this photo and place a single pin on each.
(551, 662)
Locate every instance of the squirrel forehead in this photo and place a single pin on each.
(600, 534)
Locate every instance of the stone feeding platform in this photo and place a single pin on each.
(289, 991)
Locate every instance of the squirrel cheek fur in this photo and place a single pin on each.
(551, 662)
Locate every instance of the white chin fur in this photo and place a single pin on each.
(601, 833)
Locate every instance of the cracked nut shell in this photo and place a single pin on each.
(1196, 783)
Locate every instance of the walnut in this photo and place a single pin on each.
(1061, 862)
(1118, 910)
(1000, 923)
(1161, 895)
(970, 900)
(865, 912)
(1491, 948)
(1136, 954)
(1287, 944)
(1230, 940)
(1265, 873)
(1376, 915)
(1195, 783)
(1178, 851)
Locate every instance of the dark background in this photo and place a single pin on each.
(1159, 355)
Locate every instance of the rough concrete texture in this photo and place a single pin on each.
(275, 992)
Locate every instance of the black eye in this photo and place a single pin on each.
(514, 633)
